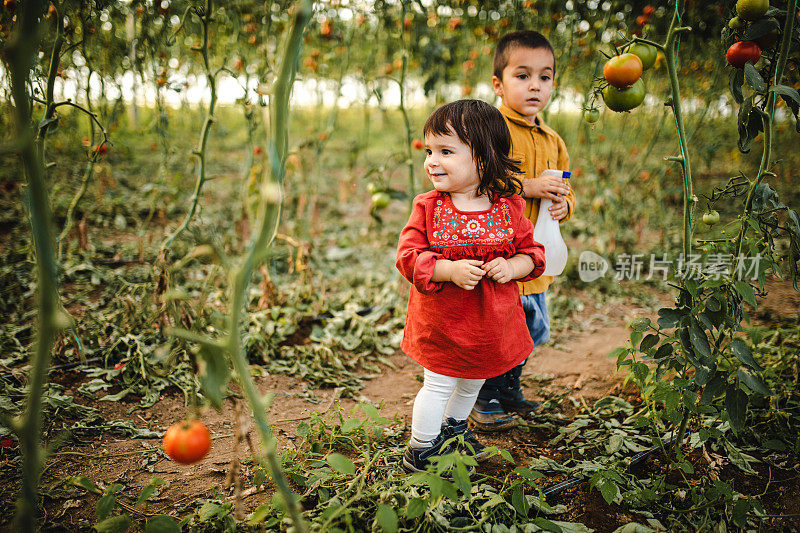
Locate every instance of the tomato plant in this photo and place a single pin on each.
(742, 52)
(624, 99)
(623, 70)
(187, 442)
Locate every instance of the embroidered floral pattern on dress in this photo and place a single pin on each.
(485, 228)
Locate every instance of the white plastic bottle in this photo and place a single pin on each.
(548, 232)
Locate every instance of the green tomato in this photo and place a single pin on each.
(372, 187)
(624, 99)
(751, 9)
(735, 23)
(591, 115)
(647, 53)
(710, 218)
(380, 200)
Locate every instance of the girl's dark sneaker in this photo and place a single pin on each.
(453, 427)
(417, 459)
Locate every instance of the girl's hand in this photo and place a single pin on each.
(546, 187)
(499, 269)
(559, 208)
(466, 273)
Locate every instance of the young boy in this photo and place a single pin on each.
(524, 66)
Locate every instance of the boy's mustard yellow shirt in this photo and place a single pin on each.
(537, 147)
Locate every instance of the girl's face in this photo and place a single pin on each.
(449, 165)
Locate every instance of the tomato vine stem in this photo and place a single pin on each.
(767, 117)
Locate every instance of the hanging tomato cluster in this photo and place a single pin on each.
(623, 73)
(753, 30)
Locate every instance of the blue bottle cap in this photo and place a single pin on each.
(566, 174)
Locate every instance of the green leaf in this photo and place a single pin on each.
(760, 28)
(702, 374)
(461, 478)
(713, 388)
(736, 405)
(209, 510)
(699, 340)
(214, 372)
(664, 350)
(84, 482)
(527, 473)
(608, 489)
(640, 324)
(754, 382)
(148, 490)
(351, 424)
(386, 518)
(785, 90)
(547, 525)
(743, 354)
(105, 505)
(114, 524)
(416, 507)
(746, 291)
(735, 85)
(520, 503)
(341, 464)
(668, 317)
(640, 370)
(303, 429)
(161, 523)
(636, 337)
(505, 454)
(258, 516)
(649, 342)
(753, 78)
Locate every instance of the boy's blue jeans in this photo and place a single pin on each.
(538, 320)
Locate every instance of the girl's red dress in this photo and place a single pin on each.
(478, 333)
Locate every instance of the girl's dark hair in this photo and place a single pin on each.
(483, 128)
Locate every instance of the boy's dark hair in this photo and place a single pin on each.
(483, 128)
(516, 39)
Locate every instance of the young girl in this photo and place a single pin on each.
(463, 245)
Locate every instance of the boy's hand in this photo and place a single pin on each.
(546, 187)
(499, 269)
(466, 273)
(559, 208)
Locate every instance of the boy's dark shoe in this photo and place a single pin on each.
(507, 389)
(453, 427)
(489, 415)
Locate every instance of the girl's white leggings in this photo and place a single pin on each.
(442, 397)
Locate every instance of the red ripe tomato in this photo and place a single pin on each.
(623, 70)
(187, 442)
(101, 149)
(742, 52)
(417, 144)
(648, 10)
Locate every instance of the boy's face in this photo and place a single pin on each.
(527, 80)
